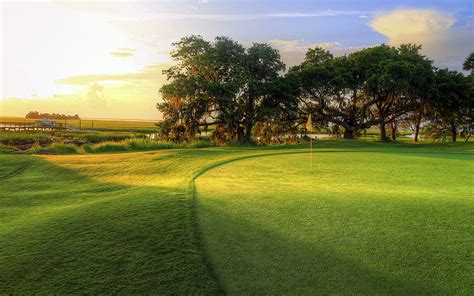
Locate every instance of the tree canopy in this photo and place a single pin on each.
(245, 94)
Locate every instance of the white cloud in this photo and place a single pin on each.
(240, 17)
(446, 44)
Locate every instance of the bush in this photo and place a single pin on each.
(36, 148)
(201, 144)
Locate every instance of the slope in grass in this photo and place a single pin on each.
(100, 224)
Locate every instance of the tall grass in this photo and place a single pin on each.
(142, 145)
(55, 148)
(107, 147)
(17, 137)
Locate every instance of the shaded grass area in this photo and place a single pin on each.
(89, 224)
(394, 221)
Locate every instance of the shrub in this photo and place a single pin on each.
(201, 144)
(36, 148)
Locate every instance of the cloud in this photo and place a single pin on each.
(294, 51)
(95, 96)
(241, 17)
(123, 52)
(152, 72)
(447, 44)
(118, 54)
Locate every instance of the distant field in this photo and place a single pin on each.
(97, 124)
(367, 218)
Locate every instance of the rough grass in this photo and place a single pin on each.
(142, 145)
(125, 222)
(11, 137)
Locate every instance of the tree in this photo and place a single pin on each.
(386, 80)
(222, 82)
(453, 100)
(263, 65)
(469, 63)
(421, 85)
(183, 102)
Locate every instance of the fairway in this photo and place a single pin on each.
(367, 218)
(357, 222)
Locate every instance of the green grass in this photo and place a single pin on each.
(12, 137)
(389, 221)
(368, 218)
(142, 145)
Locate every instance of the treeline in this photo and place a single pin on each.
(37, 115)
(245, 93)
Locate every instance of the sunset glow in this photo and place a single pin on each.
(104, 59)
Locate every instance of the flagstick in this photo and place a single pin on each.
(311, 149)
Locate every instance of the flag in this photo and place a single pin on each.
(309, 123)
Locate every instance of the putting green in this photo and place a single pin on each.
(356, 222)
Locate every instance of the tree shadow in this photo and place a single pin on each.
(252, 259)
(64, 232)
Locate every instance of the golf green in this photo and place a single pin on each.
(385, 221)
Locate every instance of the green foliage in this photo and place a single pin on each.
(240, 90)
(219, 81)
(145, 144)
(11, 137)
(200, 144)
(6, 149)
(468, 64)
(62, 148)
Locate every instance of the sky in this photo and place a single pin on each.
(104, 59)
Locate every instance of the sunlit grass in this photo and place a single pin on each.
(383, 222)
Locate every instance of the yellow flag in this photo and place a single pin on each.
(309, 123)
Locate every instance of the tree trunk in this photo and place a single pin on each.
(240, 134)
(417, 129)
(453, 132)
(348, 134)
(248, 133)
(394, 131)
(383, 132)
